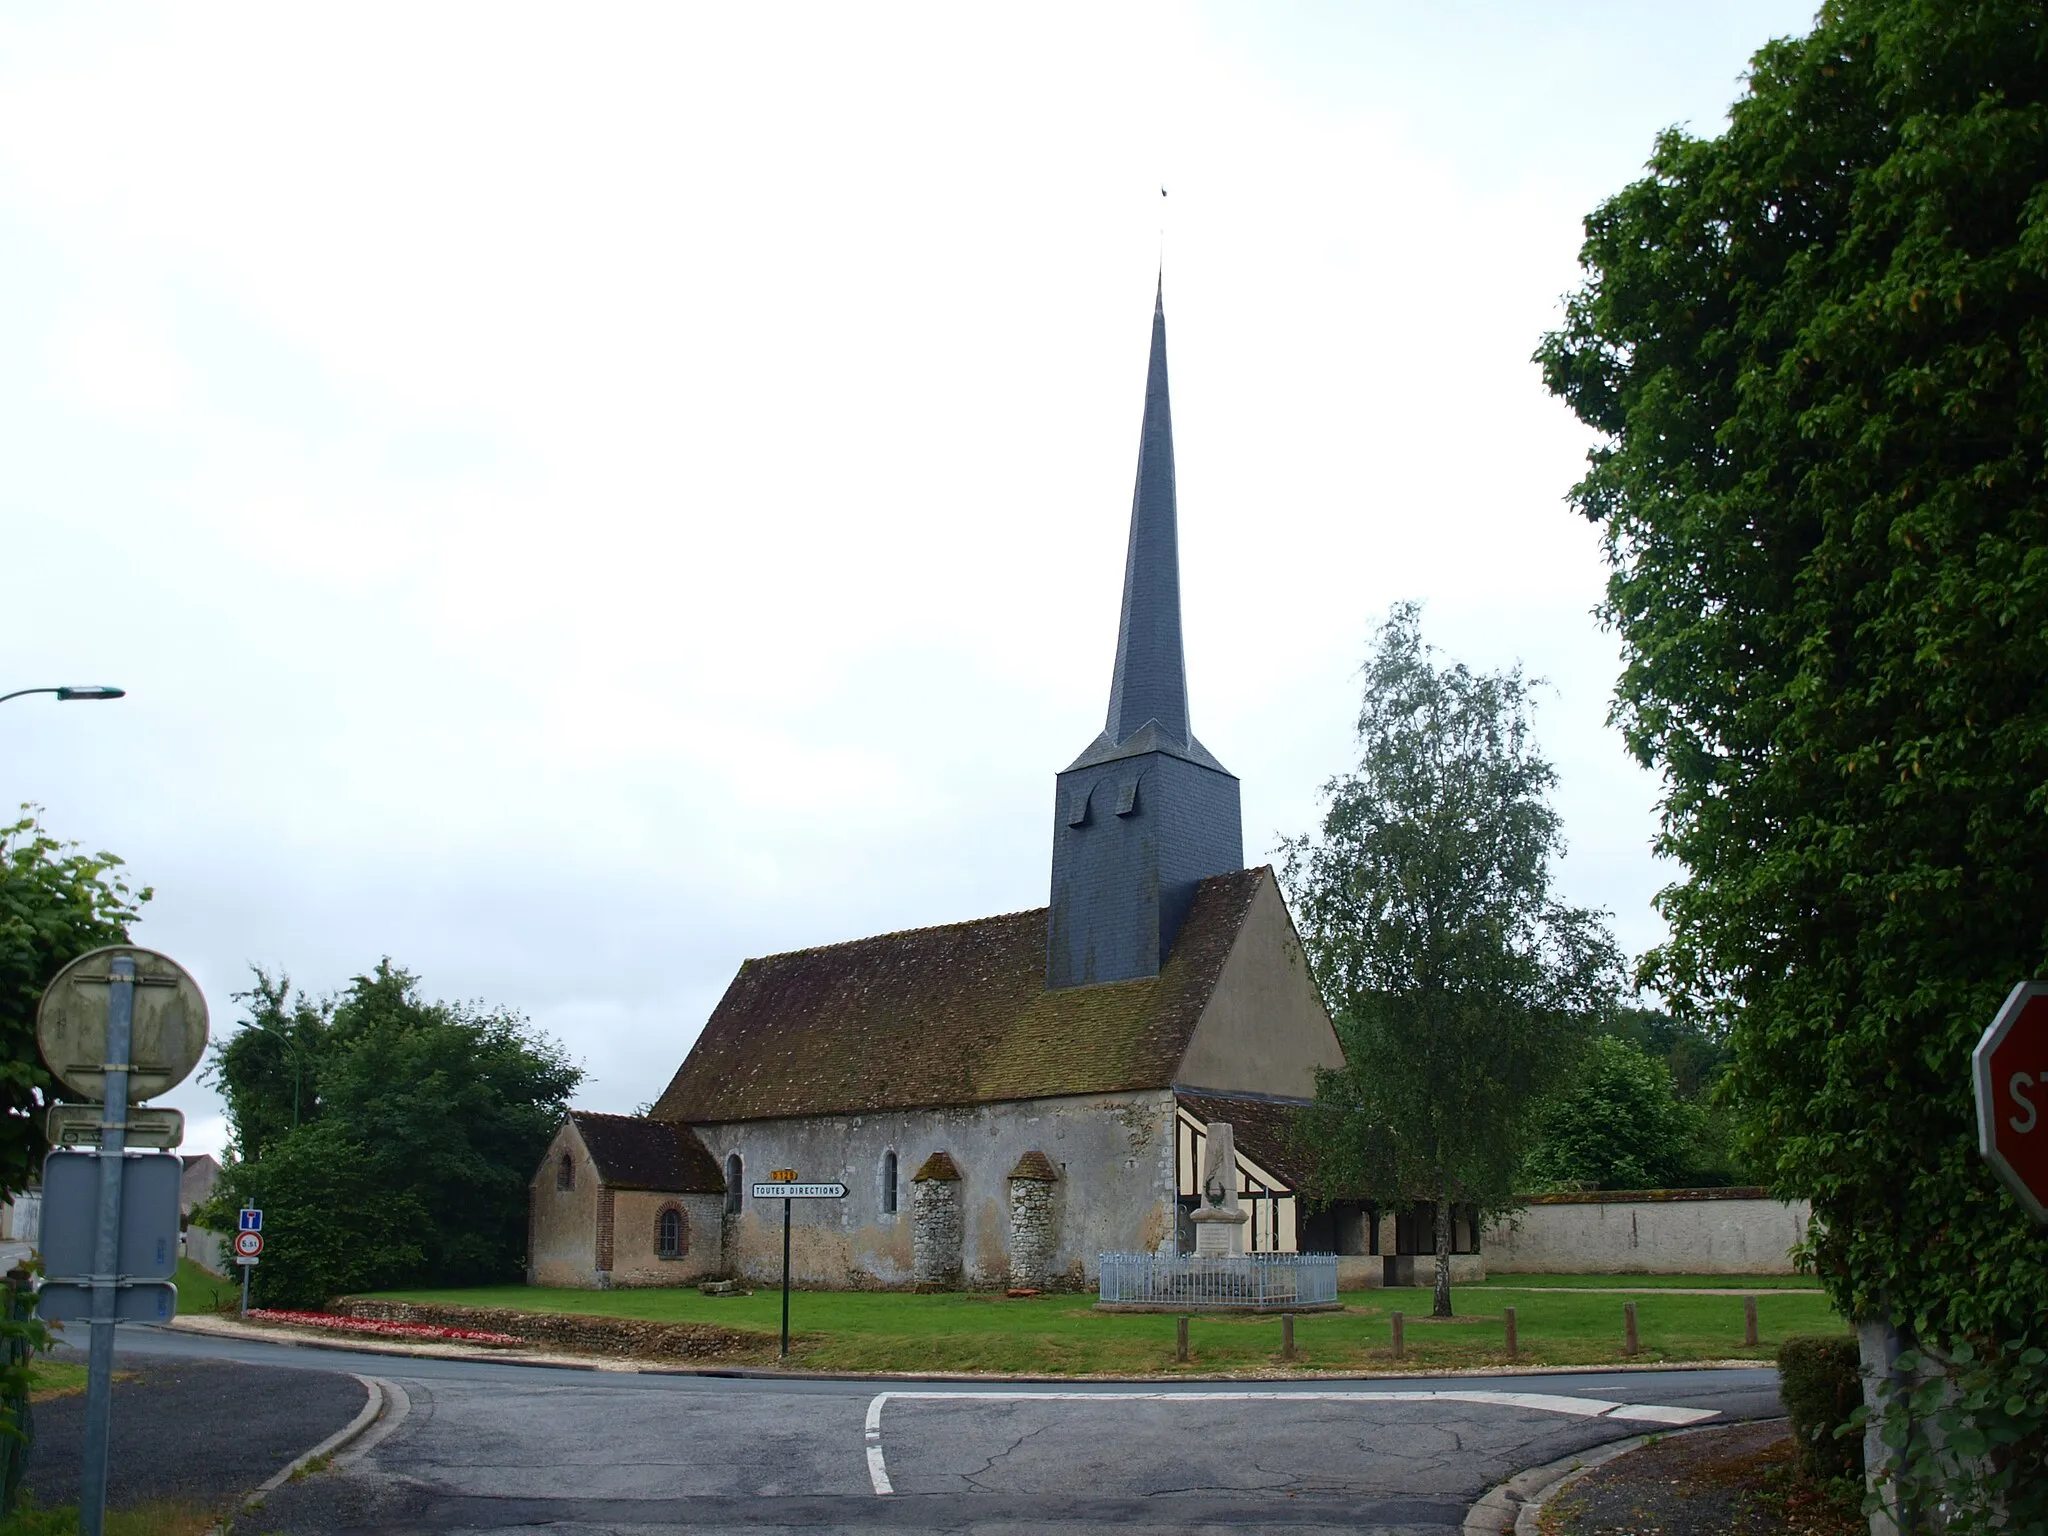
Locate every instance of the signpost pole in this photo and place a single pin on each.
(99, 1380)
(786, 1203)
(245, 1288)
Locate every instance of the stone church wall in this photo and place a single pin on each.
(1115, 1190)
(561, 1223)
(635, 1214)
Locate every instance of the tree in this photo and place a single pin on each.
(1618, 1124)
(55, 905)
(268, 1071)
(1816, 351)
(410, 1161)
(1460, 987)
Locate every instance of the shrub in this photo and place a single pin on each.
(1821, 1381)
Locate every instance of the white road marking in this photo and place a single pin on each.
(878, 1470)
(1541, 1402)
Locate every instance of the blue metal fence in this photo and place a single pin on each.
(1267, 1280)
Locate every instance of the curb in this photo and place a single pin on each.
(630, 1366)
(1517, 1504)
(381, 1394)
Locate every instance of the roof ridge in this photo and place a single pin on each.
(899, 933)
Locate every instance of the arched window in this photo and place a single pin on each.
(888, 1183)
(732, 1184)
(565, 1172)
(671, 1233)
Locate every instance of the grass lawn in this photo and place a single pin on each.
(200, 1291)
(1064, 1335)
(155, 1517)
(1651, 1282)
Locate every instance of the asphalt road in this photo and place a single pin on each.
(192, 1429)
(477, 1447)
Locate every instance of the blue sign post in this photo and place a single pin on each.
(252, 1221)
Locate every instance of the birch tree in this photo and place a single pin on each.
(1462, 989)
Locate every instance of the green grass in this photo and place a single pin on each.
(156, 1517)
(199, 1291)
(1651, 1282)
(1064, 1335)
(55, 1378)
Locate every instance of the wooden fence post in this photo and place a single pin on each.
(1630, 1343)
(1180, 1338)
(1749, 1335)
(1508, 1319)
(1286, 1335)
(1400, 1343)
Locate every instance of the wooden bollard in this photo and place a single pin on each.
(1749, 1336)
(1180, 1338)
(1629, 1342)
(1507, 1317)
(1286, 1335)
(1400, 1343)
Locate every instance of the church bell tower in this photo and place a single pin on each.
(1145, 813)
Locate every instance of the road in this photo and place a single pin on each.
(477, 1447)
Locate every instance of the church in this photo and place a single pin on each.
(1009, 1097)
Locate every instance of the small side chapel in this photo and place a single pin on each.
(1007, 1097)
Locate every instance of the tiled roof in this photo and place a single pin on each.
(632, 1153)
(1262, 1128)
(948, 1016)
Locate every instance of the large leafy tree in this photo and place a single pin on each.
(1618, 1124)
(1461, 987)
(1816, 351)
(409, 1160)
(56, 903)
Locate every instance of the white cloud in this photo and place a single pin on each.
(582, 497)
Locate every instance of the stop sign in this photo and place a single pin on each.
(2011, 1070)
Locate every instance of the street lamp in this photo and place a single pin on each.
(68, 694)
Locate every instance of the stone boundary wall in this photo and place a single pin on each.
(1649, 1232)
(585, 1335)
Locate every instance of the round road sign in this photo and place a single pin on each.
(2010, 1068)
(248, 1244)
(169, 1032)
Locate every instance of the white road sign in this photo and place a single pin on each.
(248, 1244)
(799, 1191)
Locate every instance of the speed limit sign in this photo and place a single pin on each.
(248, 1244)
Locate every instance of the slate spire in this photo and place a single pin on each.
(1145, 814)
(1150, 682)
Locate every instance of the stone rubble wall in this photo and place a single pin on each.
(936, 1233)
(584, 1335)
(1034, 1231)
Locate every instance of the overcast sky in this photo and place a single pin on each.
(581, 495)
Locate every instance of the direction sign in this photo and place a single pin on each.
(799, 1191)
(168, 1034)
(248, 1244)
(2010, 1068)
(251, 1220)
(78, 1125)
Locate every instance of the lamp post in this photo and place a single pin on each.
(69, 694)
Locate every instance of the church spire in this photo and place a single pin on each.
(1150, 682)
(1144, 814)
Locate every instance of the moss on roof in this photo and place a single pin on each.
(939, 1168)
(947, 1016)
(632, 1153)
(1035, 1165)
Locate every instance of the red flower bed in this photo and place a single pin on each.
(430, 1331)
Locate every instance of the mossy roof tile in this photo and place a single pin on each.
(948, 1016)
